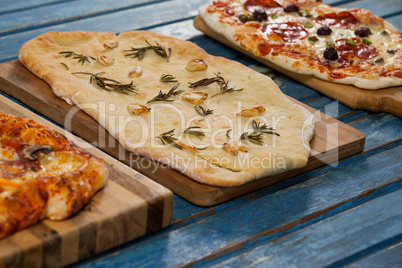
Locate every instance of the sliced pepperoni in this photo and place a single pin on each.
(224, 7)
(288, 31)
(396, 73)
(343, 19)
(264, 48)
(269, 6)
(361, 50)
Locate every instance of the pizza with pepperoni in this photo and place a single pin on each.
(347, 46)
(42, 174)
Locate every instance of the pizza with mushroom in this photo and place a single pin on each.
(42, 174)
(348, 46)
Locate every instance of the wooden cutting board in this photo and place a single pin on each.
(129, 206)
(384, 100)
(333, 140)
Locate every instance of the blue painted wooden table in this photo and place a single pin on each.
(346, 214)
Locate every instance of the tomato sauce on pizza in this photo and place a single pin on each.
(350, 46)
(42, 174)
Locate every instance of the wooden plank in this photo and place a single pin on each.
(30, 246)
(385, 100)
(12, 5)
(332, 240)
(329, 107)
(183, 30)
(391, 256)
(327, 145)
(380, 129)
(396, 20)
(115, 22)
(378, 7)
(128, 207)
(239, 226)
(60, 13)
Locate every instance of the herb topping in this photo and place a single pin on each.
(223, 84)
(165, 96)
(263, 128)
(109, 84)
(202, 111)
(195, 132)
(139, 52)
(81, 58)
(167, 78)
(167, 138)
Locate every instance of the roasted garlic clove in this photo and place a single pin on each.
(136, 109)
(196, 98)
(252, 111)
(234, 150)
(196, 65)
(260, 109)
(135, 72)
(110, 45)
(105, 60)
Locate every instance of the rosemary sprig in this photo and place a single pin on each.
(207, 81)
(64, 65)
(81, 58)
(223, 84)
(263, 128)
(202, 111)
(167, 78)
(109, 84)
(255, 137)
(165, 96)
(193, 131)
(167, 138)
(139, 53)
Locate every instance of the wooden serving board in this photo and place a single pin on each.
(384, 100)
(333, 140)
(129, 206)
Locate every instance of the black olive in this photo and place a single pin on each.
(260, 15)
(291, 8)
(391, 51)
(324, 30)
(330, 53)
(379, 61)
(362, 32)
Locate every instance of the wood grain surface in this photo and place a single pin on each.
(384, 100)
(129, 206)
(333, 140)
(326, 217)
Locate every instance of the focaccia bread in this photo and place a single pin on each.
(347, 46)
(42, 174)
(214, 120)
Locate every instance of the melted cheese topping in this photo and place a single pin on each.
(380, 41)
(52, 164)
